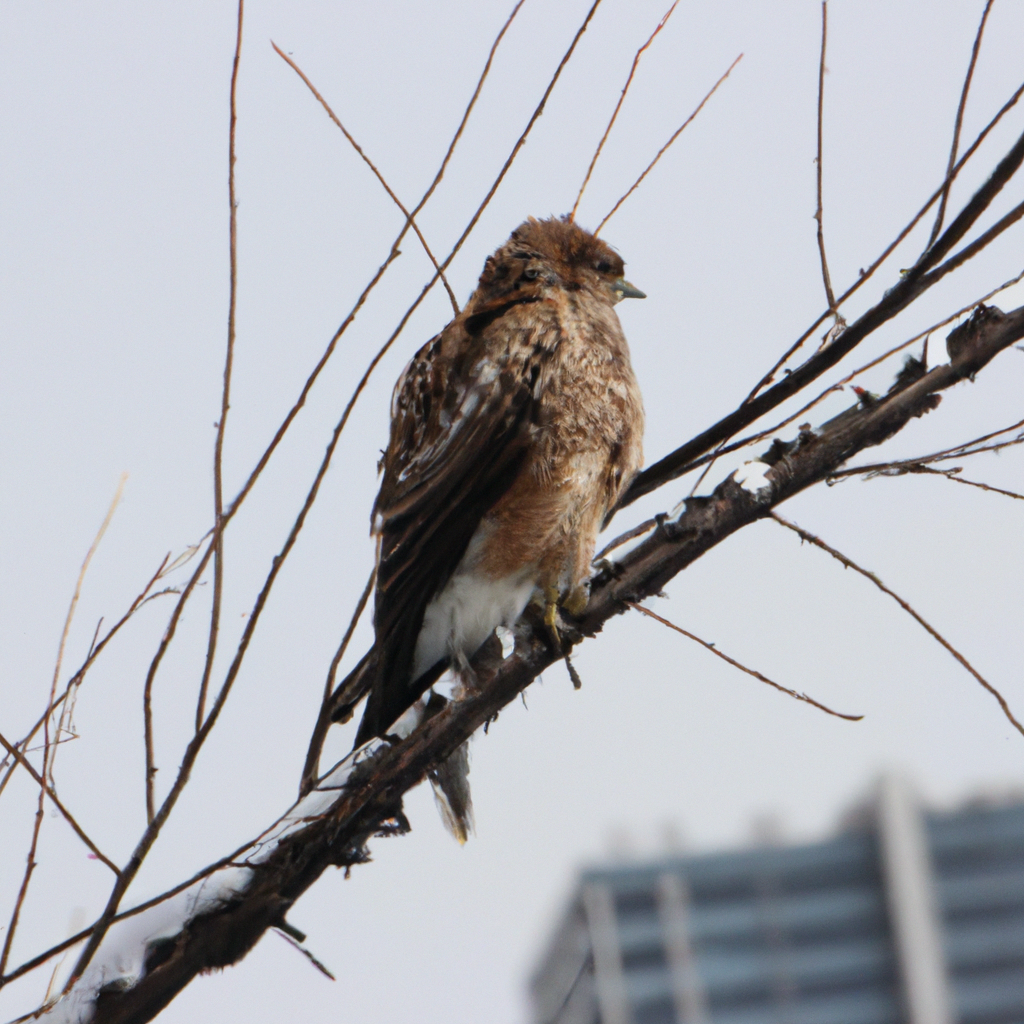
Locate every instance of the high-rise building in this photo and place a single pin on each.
(907, 916)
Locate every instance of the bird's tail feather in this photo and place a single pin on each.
(450, 781)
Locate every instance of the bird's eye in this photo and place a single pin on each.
(603, 267)
(530, 273)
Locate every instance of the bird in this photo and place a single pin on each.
(514, 432)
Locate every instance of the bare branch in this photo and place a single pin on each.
(618, 106)
(817, 215)
(154, 665)
(969, 251)
(30, 866)
(311, 768)
(849, 563)
(77, 678)
(675, 135)
(305, 952)
(47, 765)
(959, 451)
(225, 404)
(743, 668)
(50, 747)
(894, 469)
(68, 816)
(972, 483)
(409, 218)
(940, 216)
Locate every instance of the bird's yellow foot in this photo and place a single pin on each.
(578, 599)
(551, 614)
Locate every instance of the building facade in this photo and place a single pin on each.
(905, 917)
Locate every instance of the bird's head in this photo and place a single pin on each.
(555, 253)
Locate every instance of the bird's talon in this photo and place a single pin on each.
(551, 615)
(577, 601)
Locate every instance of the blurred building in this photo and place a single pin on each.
(906, 917)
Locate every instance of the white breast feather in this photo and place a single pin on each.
(468, 610)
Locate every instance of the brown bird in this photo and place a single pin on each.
(513, 434)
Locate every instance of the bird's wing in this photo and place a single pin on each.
(461, 422)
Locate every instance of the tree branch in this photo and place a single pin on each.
(849, 563)
(370, 801)
(918, 279)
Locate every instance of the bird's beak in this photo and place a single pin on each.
(624, 290)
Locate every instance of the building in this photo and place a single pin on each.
(905, 917)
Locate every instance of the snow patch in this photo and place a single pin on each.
(753, 477)
(120, 959)
(121, 956)
(508, 641)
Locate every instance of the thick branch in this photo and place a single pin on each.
(371, 801)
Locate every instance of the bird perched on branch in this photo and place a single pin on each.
(513, 434)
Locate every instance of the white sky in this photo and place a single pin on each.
(114, 302)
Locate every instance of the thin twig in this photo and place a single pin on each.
(636, 531)
(30, 866)
(147, 688)
(985, 448)
(77, 678)
(972, 483)
(817, 215)
(225, 404)
(588, 962)
(310, 381)
(972, 250)
(68, 816)
(306, 953)
(849, 563)
(311, 767)
(948, 474)
(675, 135)
(940, 216)
(50, 748)
(960, 451)
(409, 218)
(48, 767)
(618, 106)
(743, 668)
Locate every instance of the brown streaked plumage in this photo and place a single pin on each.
(514, 432)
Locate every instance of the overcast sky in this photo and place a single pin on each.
(113, 314)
